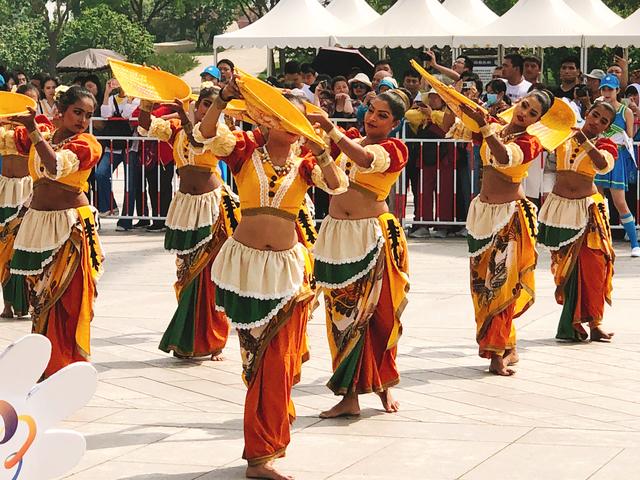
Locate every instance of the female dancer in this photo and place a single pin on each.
(57, 246)
(202, 215)
(15, 191)
(617, 180)
(574, 225)
(263, 274)
(361, 259)
(502, 229)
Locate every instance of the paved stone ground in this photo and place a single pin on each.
(571, 412)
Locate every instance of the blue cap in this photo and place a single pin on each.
(2, 82)
(610, 81)
(213, 71)
(387, 82)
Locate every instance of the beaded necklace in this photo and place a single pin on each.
(281, 170)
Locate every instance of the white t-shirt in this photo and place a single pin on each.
(516, 92)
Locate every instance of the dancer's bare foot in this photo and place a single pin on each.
(266, 470)
(499, 367)
(511, 357)
(217, 357)
(599, 335)
(7, 312)
(347, 407)
(390, 404)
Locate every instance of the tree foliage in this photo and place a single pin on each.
(101, 27)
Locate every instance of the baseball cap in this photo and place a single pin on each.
(213, 71)
(597, 74)
(388, 82)
(610, 81)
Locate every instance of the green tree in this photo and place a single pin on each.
(101, 27)
(23, 45)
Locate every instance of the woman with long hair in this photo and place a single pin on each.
(201, 217)
(263, 273)
(621, 131)
(46, 105)
(574, 225)
(502, 228)
(57, 245)
(361, 261)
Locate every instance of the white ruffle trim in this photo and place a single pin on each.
(259, 274)
(15, 192)
(38, 271)
(560, 212)
(11, 218)
(191, 212)
(378, 243)
(222, 145)
(262, 321)
(202, 242)
(481, 251)
(482, 223)
(39, 227)
(346, 241)
(356, 277)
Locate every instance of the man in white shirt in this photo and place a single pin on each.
(512, 68)
(293, 76)
(117, 105)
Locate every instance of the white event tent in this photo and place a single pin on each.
(473, 12)
(408, 23)
(595, 12)
(530, 23)
(624, 34)
(291, 23)
(354, 13)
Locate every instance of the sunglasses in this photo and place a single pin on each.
(358, 85)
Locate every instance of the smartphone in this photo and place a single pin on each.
(618, 51)
(467, 85)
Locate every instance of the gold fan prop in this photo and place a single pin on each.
(148, 83)
(451, 97)
(266, 106)
(554, 128)
(15, 104)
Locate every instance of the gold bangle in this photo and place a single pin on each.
(335, 135)
(219, 103)
(486, 130)
(324, 159)
(35, 137)
(588, 146)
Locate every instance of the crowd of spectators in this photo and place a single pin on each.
(442, 176)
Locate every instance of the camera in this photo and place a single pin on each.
(467, 85)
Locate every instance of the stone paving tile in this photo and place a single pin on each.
(526, 462)
(154, 417)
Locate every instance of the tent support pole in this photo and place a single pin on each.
(584, 57)
(215, 55)
(270, 62)
(500, 54)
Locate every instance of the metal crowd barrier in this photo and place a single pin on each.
(443, 204)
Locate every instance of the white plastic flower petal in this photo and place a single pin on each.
(65, 446)
(29, 357)
(29, 448)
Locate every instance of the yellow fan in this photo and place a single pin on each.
(451, 97)
(268, 107)
(15, 104)
(554, 128)
(149, 84)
